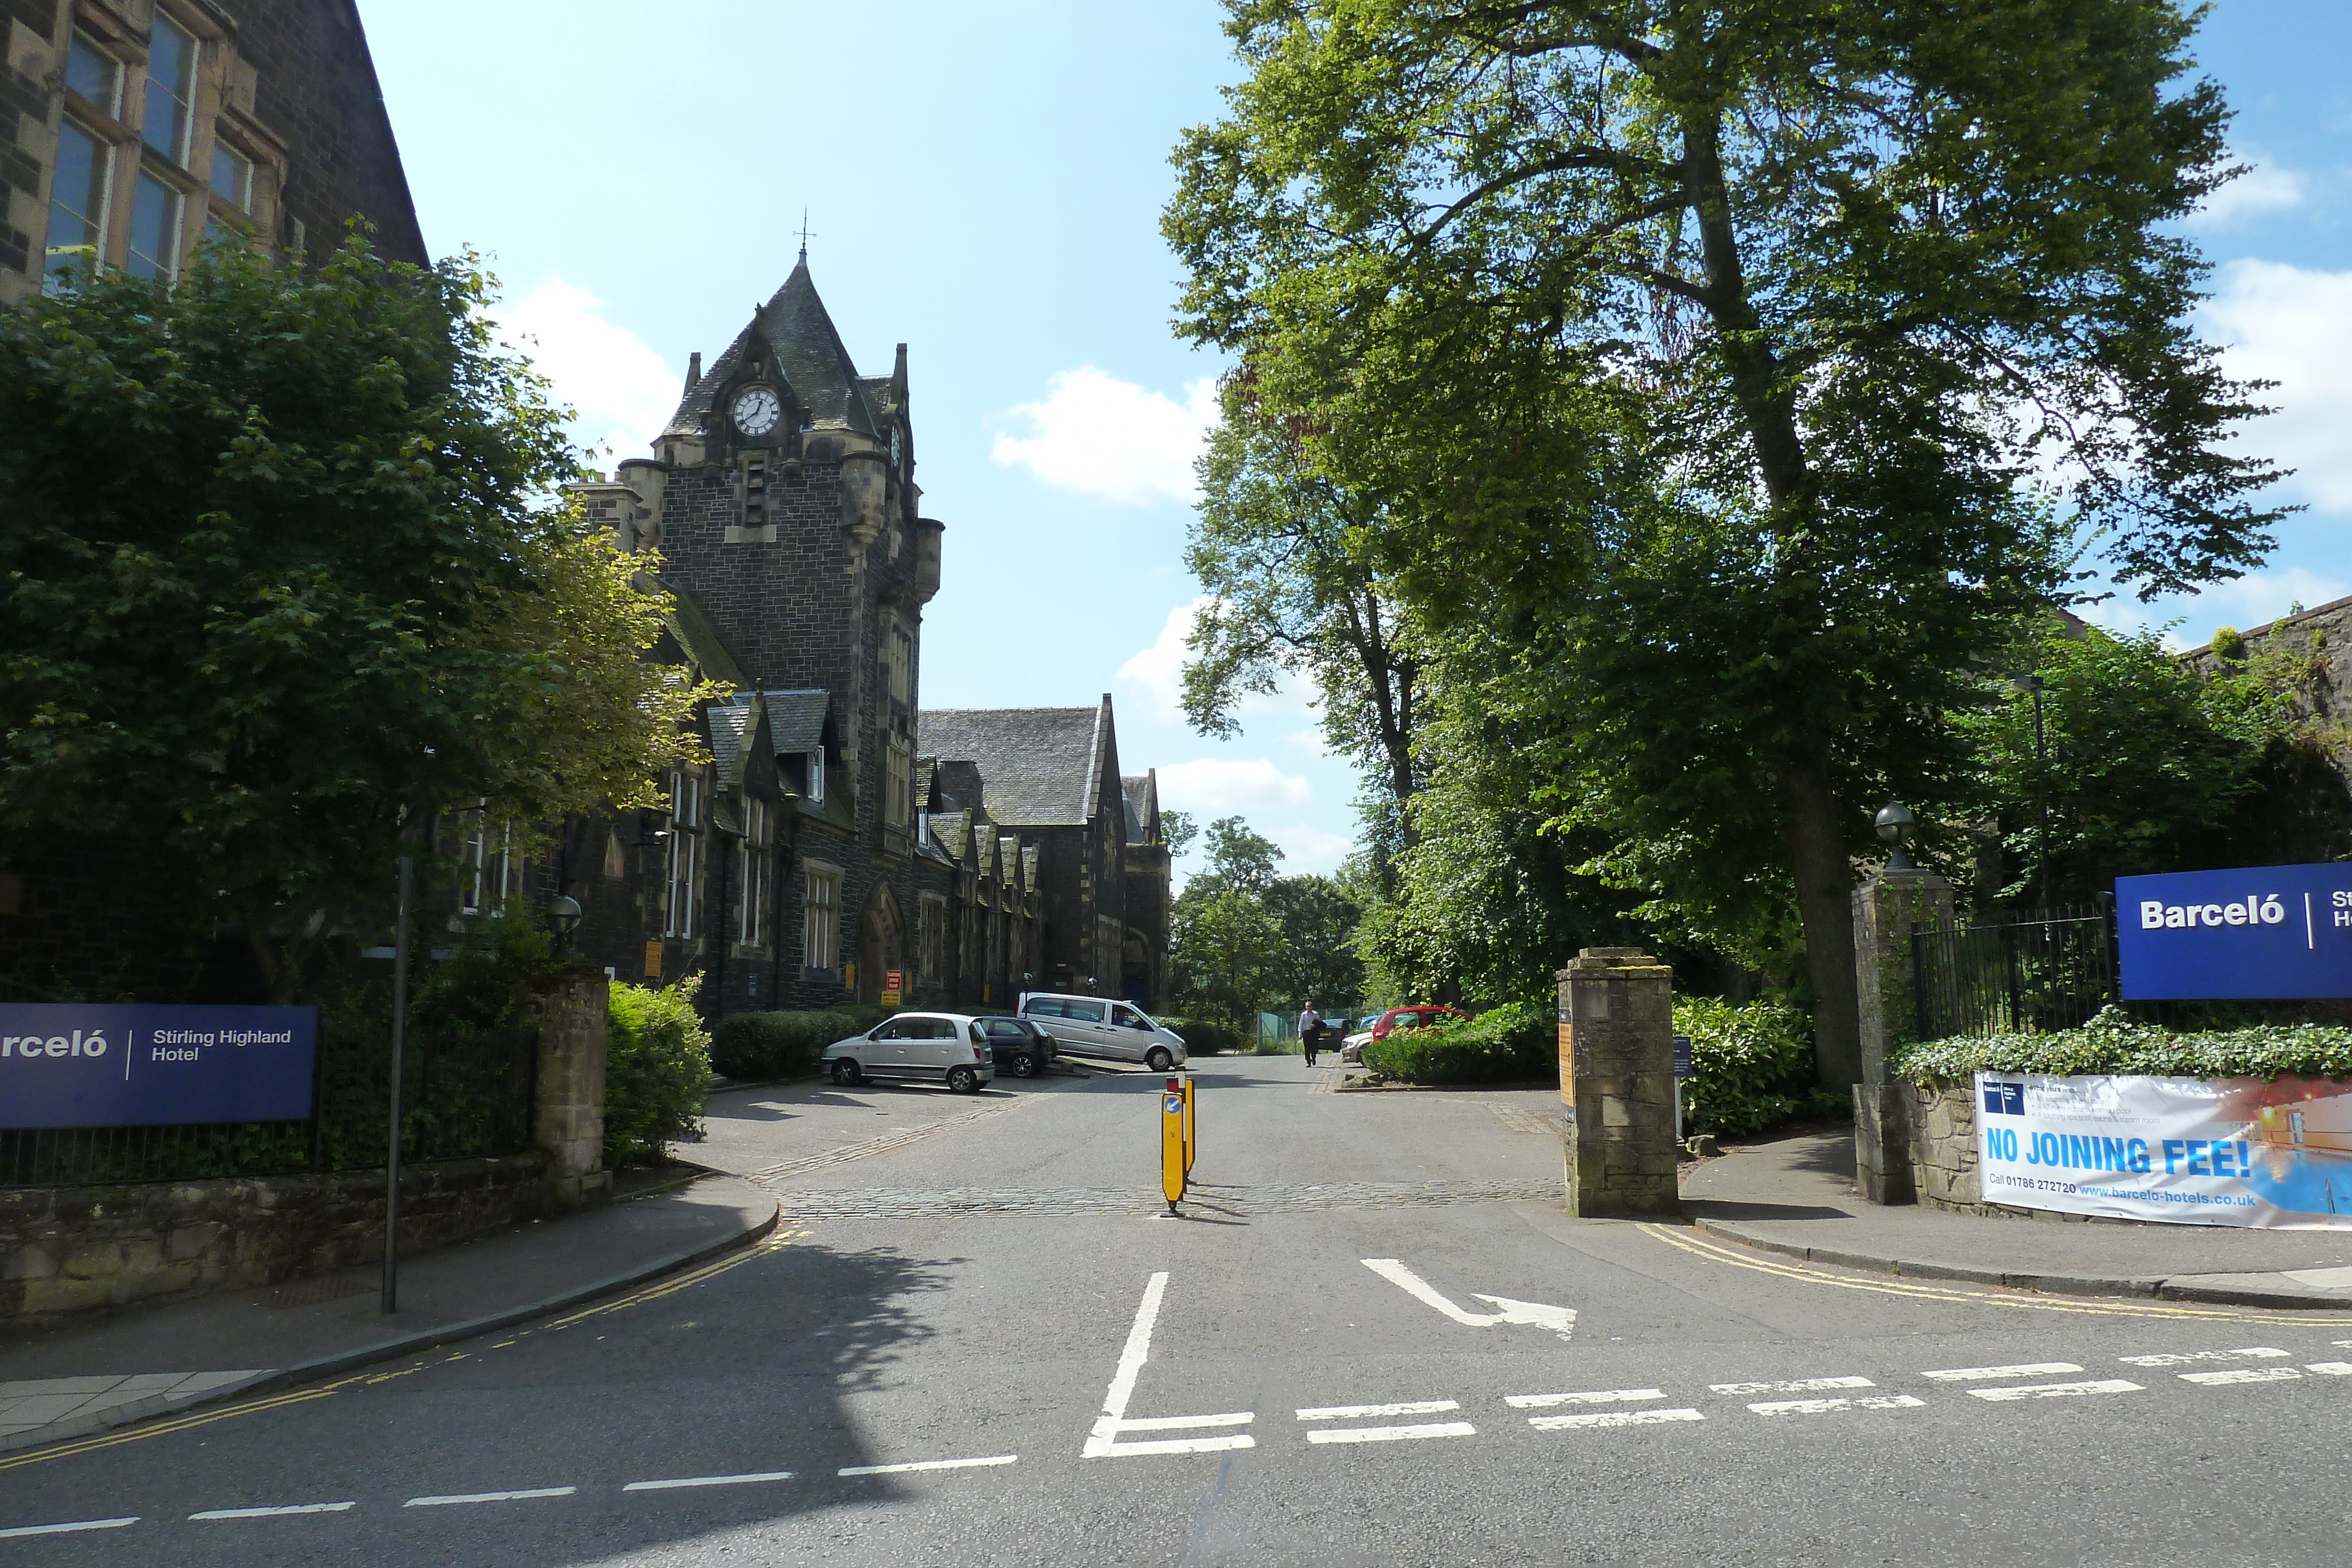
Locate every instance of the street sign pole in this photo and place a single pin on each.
(1682, 1071)
(392, 1139)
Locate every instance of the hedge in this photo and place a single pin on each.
(1200, 1037)
(1509, 1044)
(786, 1044)
(2117, 1042)
(1751, 1066)
(656, 1070)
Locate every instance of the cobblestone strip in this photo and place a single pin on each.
(866, 1148)
(1519, 1119)
(905, 1203)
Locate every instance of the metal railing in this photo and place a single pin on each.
(2012, 972)
(464, 1093)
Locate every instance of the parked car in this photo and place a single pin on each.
(1420, 1015)
(1022, 1048)
(1104, 1027)
(917, 1048)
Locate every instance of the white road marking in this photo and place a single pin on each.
(2243, 1375)
(927, 1465)
(1827, 1406)
(743, 1481)
(489, 1496)
(2183, 1358)
(2022, 1369)
(66, 1529)
(1611, 1419)
(2058, 1390)
(1392, 1434)
(1793, 1385)
(1560, 1321)
(272, 1512)
(1600, 1396)
(2329, 1368)
(1103, 1441)
(1364, 1412)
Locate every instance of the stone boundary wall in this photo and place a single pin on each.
(75, 1249)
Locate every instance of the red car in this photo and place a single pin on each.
(1351, 1049)
(1413, 1017)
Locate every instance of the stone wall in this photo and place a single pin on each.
(69, 1249)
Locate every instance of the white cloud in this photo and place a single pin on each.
(623, 392)
(1223, 787)
(1306, 849)
(2293, 326)
(1159, 669)
(2244, 602)
(2263, 188)
(1111, 438)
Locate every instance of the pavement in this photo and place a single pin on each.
(87, 1375)
(1371, 1336)
(1796, 1196)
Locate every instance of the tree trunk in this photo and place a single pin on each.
(1824, 878)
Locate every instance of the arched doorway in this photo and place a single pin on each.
(881, 943)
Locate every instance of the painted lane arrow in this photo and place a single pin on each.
(1560, 1321)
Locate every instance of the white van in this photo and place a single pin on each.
(1103, 1026)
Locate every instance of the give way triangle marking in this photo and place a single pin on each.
(1560, 1321)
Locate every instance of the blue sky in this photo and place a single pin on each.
(984, 179)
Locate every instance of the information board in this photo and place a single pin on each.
(115, 1064)
(2278, 931)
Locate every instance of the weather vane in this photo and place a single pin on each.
(805, 235)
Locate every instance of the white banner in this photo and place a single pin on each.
(2192, 1151)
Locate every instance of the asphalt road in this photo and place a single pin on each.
(988, 1290)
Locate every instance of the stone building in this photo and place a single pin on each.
(132, 129)
(825, 855)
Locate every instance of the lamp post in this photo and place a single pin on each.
(564, 919)
(1893, 825)
(2034, 685)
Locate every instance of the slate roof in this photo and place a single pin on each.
(951, 830)
(731, 724)
(798, 331)
(699, 639)
(796, 719)
(1037, 764)
(1142, 807)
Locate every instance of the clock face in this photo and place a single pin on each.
(756, 411)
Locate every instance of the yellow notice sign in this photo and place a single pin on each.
(1172, 1143)
(653, 961)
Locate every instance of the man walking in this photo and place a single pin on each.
(1310, 1033)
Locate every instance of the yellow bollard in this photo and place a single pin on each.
(1172, 1142)
(1191, 1134)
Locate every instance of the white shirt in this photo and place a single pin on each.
(1309, 1020)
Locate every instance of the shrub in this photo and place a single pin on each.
(2228, 643)
(656, 1070)
(2117, 1042)
(786, 1044)
(1752, 1066)
(1510, 1044)
(1203, 1037)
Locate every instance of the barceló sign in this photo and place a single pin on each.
(72, 1064)
(2278, 932)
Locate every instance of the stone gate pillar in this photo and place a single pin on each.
(1885, 909)
(1617, 1075)
(568, 1109)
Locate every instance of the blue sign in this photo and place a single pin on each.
(1682, 1056)
(99, 1064)
(2273, 931)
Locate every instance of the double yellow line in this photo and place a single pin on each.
(1957, 1295)
(773, 1241)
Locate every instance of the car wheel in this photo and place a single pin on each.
(844, 1072)
(1027, 1065)
(1159, 1060)
(963, 1080)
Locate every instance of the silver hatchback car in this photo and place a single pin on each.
(916, 1048)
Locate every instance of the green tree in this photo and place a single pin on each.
(285, 570)
(1702, 356)
(1286, 597)
(1317, 960)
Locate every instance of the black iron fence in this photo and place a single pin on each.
(2013, 972)
(466, 1092)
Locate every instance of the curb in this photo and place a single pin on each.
(386, 1350)
(2169, 1288)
